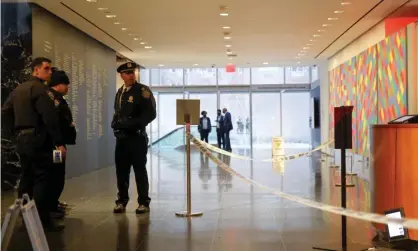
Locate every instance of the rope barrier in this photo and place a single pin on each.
(372, 217)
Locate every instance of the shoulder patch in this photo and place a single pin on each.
(51, 95)
(145, 93)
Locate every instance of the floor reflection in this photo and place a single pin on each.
(237, 216)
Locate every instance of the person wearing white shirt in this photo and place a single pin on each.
(204, 127)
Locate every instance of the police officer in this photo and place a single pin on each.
(31, 107)
(59, 87)
(134, 110)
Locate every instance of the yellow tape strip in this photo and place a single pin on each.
(372, 217)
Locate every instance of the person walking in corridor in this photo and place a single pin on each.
(134, 109)
(228, 127)
(205, 127)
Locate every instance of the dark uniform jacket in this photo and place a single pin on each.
(134, 110)
(67, 126)
(31, 107)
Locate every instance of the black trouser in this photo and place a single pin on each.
(221, 138)
(36, 163)
(57, 184)
(227, 140)
(204, 135)
(132, 151)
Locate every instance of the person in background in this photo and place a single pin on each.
(58, 85)
(204, 127)
(220, 129)
(227, 129)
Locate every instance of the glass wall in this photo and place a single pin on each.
(238, 104)
(219, 76)
(267, 75)
(167, 112)
(295, 116)
(241, 76)
(297, 75)
(167, 77)
(266, 118)
(208, 103)
(200, 76)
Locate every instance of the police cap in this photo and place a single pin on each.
(58, 77)
(126, 67)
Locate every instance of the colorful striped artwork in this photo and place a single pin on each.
(392, 77)
(367, 97)
(347, 92)
(374, 82)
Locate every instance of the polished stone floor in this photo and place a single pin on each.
(237, 216)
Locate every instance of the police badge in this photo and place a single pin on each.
(131, 99)
(57, 102)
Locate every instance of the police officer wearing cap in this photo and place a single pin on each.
(134, 110)
(58, 85)
(31, 111)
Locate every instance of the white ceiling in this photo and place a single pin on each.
(183, 33)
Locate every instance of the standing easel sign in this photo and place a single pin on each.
(188, 113)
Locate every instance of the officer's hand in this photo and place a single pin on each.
(63, 151)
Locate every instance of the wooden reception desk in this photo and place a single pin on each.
(394, 162)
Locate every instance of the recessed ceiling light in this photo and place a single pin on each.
(116, 22)
(345, 3)
(148, 47)
(306, 48)
(92, 1)
(332, 18)
(297, 57)
(160, 65)
(142, 43)
(110, 16)
(224, 14)
(102, 8)
(326, 25)
(321, 30)
(316, 35)
(301, 54)
(196, 64)
(265, 63)
(312, 40)
(338, 11)
(227, 45)
(229, 52)
(136, 39)
(124, 29)
(227, 37)
(226, 27)
(309, 44)
(303, 51)
(298, 62)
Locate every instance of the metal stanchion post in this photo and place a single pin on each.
(189, 212)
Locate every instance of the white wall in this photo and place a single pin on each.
(370, 38)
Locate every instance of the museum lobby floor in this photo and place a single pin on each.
(237, 216)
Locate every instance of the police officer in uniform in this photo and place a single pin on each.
(59, 87)
(31, 108)
(134, 110)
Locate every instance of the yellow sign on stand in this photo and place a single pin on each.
(278, 147)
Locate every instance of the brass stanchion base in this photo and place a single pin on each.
(351, 174)
(187, 214)
(334, 166)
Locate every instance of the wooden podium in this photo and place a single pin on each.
(394, 162)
